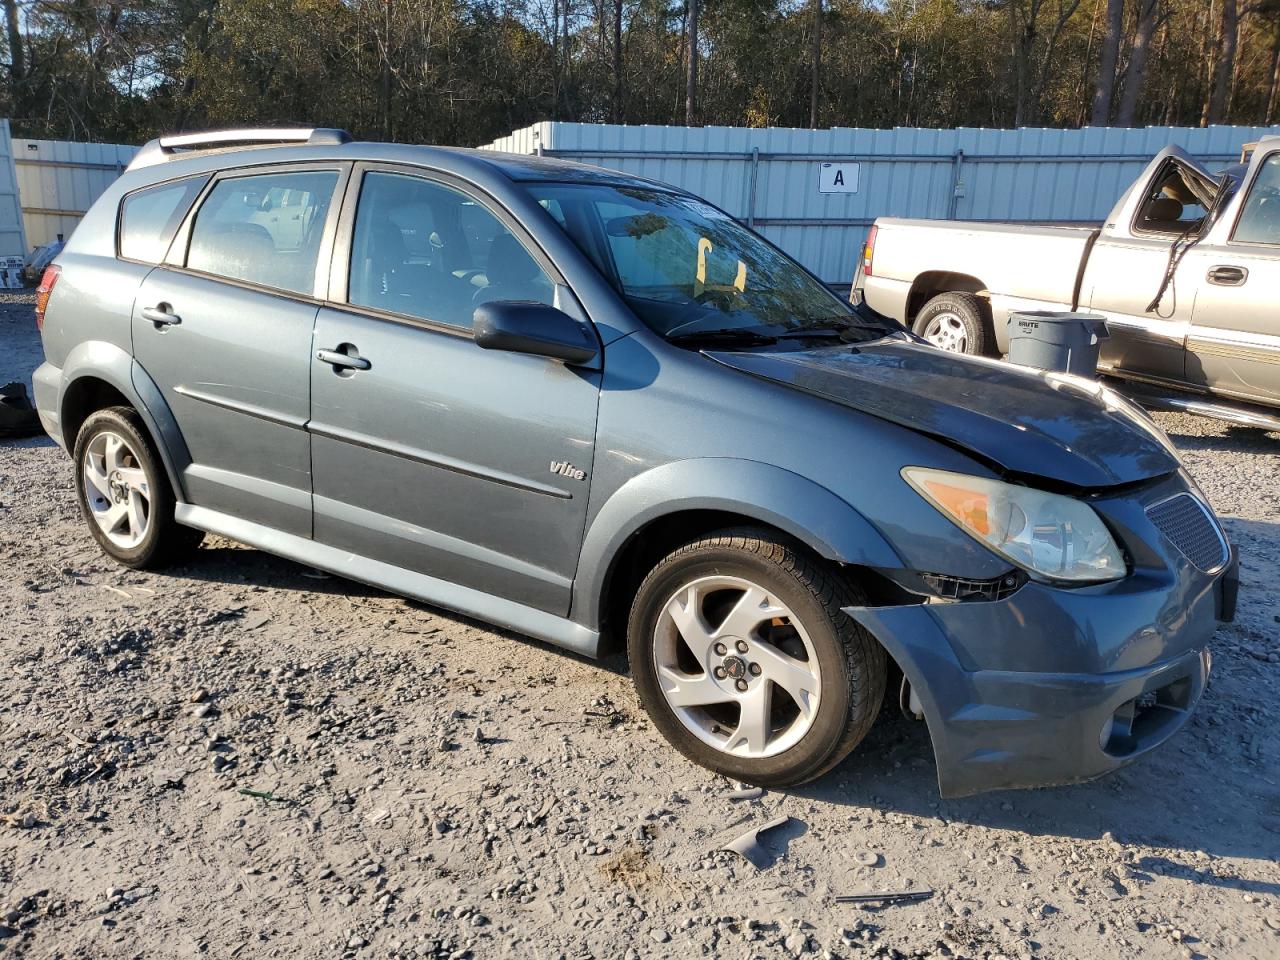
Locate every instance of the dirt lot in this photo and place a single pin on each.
(423, 786)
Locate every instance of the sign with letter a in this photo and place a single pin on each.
(838, 178)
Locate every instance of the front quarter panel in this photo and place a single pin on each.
(767, 493)
(679, 431)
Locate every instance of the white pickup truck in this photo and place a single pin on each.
(1186, 270)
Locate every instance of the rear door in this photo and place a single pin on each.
(1128, 262)
(224, 327)
(1234, 343)
(430, 453)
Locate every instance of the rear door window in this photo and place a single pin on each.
(264, 229)
(149, 218)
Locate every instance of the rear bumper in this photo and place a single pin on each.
(997, 728)
(884, 296)
(46, 383)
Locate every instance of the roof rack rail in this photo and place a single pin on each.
(167, 148)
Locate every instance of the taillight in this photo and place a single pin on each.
(47, 282)
(869, 250)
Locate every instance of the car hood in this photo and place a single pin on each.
(1064, 428)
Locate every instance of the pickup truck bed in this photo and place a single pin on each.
(1021, 267)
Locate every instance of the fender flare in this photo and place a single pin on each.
(108, 362)
(772, 495)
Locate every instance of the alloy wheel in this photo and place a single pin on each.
(946, 331)
(736, 667)
(116, 489)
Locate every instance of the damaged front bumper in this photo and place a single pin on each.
(1050, 685)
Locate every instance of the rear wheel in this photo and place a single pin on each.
(123, 492)
(957, 323)
(745, 662)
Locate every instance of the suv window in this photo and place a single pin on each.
(1260, 219)
(263, 229)
(150, 217)
(426, 250)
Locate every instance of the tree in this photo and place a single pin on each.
(17, 54)
(1025, 33)
(617, 62)
(816, 61)
(1108, 57)
(1273, 74)
(1215, 110)
(467, 71)
(1135, 73)
(691, 53)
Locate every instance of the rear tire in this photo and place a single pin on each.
(124, 494)
(745, 662)
(957, 323)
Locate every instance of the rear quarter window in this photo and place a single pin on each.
(150, 217)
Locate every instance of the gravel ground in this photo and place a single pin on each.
(240, 758)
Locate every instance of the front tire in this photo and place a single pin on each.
(745, 662)
(957, 323)
(124, 494)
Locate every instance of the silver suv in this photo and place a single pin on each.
(589, 407)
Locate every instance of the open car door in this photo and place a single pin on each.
(1127, 265)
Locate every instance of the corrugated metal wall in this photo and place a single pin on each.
(59, 179)
(12, 241)
(769, 177)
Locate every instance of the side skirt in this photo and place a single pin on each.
(473, 603)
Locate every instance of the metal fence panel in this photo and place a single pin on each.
(58, 180)
(769, 178)
(12, 240)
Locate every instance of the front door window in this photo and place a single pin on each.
(425, 250)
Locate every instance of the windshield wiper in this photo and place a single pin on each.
(846, 333)
(817, 333)
(736, 335)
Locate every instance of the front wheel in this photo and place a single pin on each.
(745, 662)
(957, 323)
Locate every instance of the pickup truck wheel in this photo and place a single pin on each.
(957, 323)
(745, 662)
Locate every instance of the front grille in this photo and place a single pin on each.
(1187, 524)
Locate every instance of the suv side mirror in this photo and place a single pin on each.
(525, 326)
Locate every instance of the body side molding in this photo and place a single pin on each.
(503, 613)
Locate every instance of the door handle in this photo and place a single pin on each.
(1228, 276)
(340, 359)
(161, 315)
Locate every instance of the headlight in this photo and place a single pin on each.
(1055, 537)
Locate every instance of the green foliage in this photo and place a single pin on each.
(466, 71)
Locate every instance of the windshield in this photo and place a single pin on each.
(689, 270)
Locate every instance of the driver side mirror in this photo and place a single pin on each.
(538, 329)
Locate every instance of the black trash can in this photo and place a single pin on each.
(1063, 342)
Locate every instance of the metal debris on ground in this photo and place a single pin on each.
(749, 847)
(886, 899)
(261, 795)
(746, 792)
